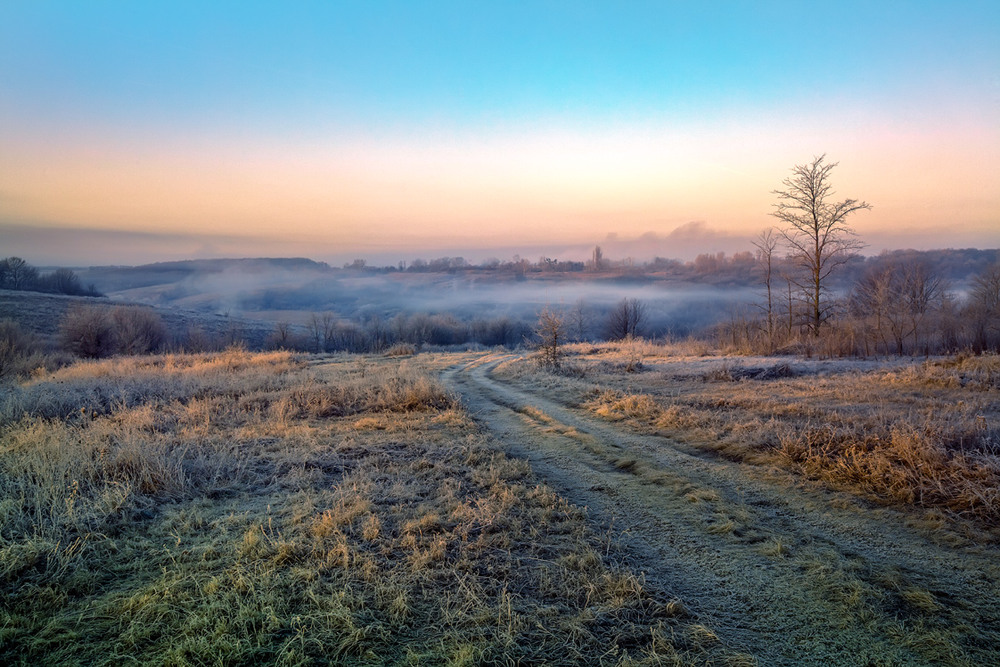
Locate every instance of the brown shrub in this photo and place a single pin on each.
(88, 332)
(18, 352)
(138, 330)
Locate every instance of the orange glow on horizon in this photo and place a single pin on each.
(537, 186)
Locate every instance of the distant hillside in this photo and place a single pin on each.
(680, 297)
(41, 314)
(119, 278)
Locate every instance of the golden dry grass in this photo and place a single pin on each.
(925, 434)
(246, 508)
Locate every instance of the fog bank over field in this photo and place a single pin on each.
(292, 290)
(500, 300)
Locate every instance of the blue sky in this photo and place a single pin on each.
(474, 62)
(93, 94)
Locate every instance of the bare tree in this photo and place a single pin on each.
(984, 308)
(551, 329)
(577, 320)
(378, 333)
(789, 306)
(923, 291)
(818, 236)
(329, 323)
(64, 281)
(625, 318)
(280, 339)
(870, 302)
(322, 329)
(597, 260)
(896, 301)
(18, 274)
(766, 243)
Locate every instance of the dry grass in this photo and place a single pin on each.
(245, 508)
(924, 433)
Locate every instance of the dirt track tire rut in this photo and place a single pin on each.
(789, 573)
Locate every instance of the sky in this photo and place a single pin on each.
(134, 132)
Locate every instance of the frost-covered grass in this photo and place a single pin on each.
(254, 507)
(912, 432)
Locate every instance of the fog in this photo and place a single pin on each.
(446, 301)
(293, 290)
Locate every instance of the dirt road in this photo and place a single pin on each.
(788, 572)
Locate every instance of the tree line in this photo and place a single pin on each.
(17, 274)
(899, 303)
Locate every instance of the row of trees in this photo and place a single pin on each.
(17, 274)
(898, 309)
(898, 305)
(326, 332)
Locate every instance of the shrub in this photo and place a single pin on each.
(18, 352)
(88, 332)
(551, 329)
(138, 330)
(95, 331)
(401, 350)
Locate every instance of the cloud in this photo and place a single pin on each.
(685, 242)
(696, 230)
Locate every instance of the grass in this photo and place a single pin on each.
(923, 434)
(239, 508)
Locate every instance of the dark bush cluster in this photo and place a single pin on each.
(17, 274)
(327, 332)
(98, 331)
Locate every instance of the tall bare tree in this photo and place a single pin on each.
(766, 243)
(576, 320)
(984, 308)
(817, 233)
(625, 318)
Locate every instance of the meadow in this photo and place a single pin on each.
(899, 431)
(812, 511)
(242, 507)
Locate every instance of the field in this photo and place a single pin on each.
(923, 434)
(238, 508)
(811, 511)
(641, 504)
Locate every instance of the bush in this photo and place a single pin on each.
(88, 332)
(18, 352)
(401, 350)
(95, 332)
(551, 330)
(138, 330)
